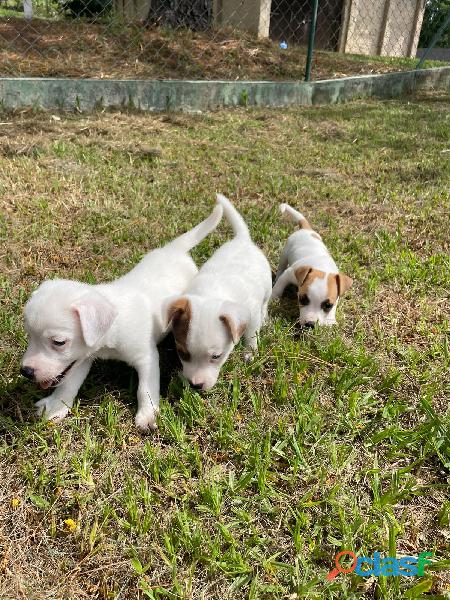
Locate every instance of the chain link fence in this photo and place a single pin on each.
(209, 39)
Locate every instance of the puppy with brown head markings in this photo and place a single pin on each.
(226, 300)
(306, 262)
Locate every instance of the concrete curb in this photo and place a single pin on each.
(193, 96)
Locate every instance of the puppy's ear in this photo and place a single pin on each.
(344, 283)
(235, 317)
(96, 314)
(174, 308)
(301, 274)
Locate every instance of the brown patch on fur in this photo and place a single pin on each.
(316, 236)
(344, 283)
(179, 313)
(183, 352)
(338, 284)
(304, 224)
(332, 288)
(301, 273)
(235, 330)
(305, 276)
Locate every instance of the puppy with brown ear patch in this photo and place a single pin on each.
(306, 262)
(227, 299)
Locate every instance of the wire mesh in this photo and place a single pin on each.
(206, 39)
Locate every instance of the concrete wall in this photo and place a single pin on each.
(361, 29)
(250, 15)
(381, 27)
(92, 94)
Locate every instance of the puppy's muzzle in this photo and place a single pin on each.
(27, 372)
(196, 386)
(309, 325)
(47, 383)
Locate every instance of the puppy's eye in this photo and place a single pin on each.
(216, 356)
(58, 342)
(327, 305)
(303, 300)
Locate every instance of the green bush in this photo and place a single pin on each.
(436, 12)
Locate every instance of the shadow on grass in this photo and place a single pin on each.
(287, 309)
(18, 398)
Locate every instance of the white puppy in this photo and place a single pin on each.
(70, 323)
(227, 298)
(306, 262)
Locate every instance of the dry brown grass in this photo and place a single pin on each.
(78, 49)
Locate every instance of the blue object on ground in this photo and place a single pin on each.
(283, 45)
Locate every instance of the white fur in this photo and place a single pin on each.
(118, 320)
(231, 289)
(302, 248)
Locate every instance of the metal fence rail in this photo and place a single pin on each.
(208, 39)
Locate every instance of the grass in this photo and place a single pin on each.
(68, 48)
(334, 440)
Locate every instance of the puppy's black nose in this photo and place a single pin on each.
(27, 372)
(309, 325)
(196, 386)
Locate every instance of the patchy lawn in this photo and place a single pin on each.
(41, 48)
(330, 440)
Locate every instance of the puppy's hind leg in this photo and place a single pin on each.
(57, 406)
(148, 391)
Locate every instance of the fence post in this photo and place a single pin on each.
(28, 9)
(435, 39)
(311, 36)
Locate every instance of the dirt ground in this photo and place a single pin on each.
(41, 48)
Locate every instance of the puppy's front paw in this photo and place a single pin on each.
(146, 420)
(51, 409)
(248, 356)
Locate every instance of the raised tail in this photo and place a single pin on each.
(290, 214)
(237, 223)
(194, 236)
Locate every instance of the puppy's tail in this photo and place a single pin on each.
(194, 236)
(237, 223)
(290, 214)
